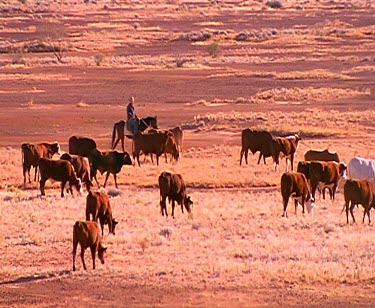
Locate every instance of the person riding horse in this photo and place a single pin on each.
(132, 119)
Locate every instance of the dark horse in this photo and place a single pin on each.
(119, 129)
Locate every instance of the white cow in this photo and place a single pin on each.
(361, 168)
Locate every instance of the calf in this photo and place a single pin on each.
(359, 192)
(178, 136)
(285, 146)
(154, 143)
(109, 162)
(304, 167)
(61, 171)
(173, 187)
(98, 206)
(81, 167)
(32, 153)
(326, 173)
(87, 234)
(294, 184)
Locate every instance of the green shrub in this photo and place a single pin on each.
(213, 49)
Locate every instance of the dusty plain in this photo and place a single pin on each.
(214, 68)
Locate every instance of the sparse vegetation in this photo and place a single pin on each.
(99, 57)
(54, 33)
(213, 49)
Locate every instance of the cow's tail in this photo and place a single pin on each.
(113, 136)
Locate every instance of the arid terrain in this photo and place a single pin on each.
(214, 68)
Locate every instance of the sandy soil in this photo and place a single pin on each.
(320, 63)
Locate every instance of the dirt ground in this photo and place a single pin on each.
(318, 61)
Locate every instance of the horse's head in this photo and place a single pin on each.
(154, 122)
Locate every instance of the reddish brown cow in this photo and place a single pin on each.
(285, 146)
(326, 173)
(178, 136)
(324, 155)
(81, 167)
(173, 187)
(109, 162)
(154, 143)
(256, 141)
(359, 192)
(87, 234)
(81, 145)
(58, 170)
(32, 153)
(294, 184)
(98, 206)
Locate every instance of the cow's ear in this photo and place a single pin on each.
(114, 221)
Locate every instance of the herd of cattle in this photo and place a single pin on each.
(321, 170)
(81, 164)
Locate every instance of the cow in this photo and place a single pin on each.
(359, 191)
(110, 162)
(256, 141)
(295, 185)
(361, 168)
(324, 155)
(169, 147)
(81, 146)
(154, 143)
(178, 136)
(326, 173)
(81, 167)
(61, 171)
(98, 206)
(32, 153)
(285, 146)
(304, 167)
(173, 187)
(87, 234)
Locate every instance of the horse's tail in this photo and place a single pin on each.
(114, 136)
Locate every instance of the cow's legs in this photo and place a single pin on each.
(173, 205)
(63, 183)
(106, 179)
(42, 184)
(260, 157)
(296, 206)
(351, 211)
(285, 203)
(83, 257)
(123, 144)
(75, 243)
(93, 252)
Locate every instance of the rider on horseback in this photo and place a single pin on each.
(132, 119)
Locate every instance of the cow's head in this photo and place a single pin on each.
(188, 203)
(77, 183)
(342, 169)
(55, 148)
(101, 250)
(126, 159)
(114, 223)
(310, 206)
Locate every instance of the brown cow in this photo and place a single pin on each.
(285, 146)
(81, 145)
(169, 148)
(87, 234)
(173, 187)
(295, 185)
(58, 170)
(178, 136)
(326, 173)
(31, 153)
(304, 167)
(324, 155)
(110, 162)
(359, 192)
(154, 143)
(98, 206)
(256, 141)
(81, 167)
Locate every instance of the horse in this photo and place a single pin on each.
(119, 129)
